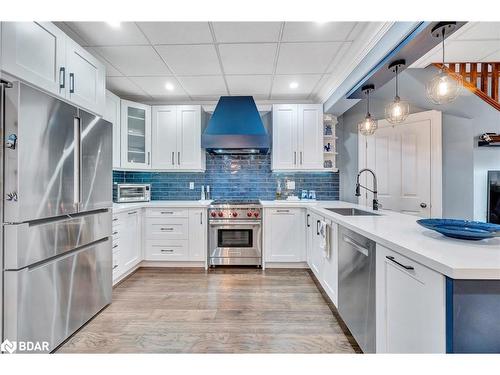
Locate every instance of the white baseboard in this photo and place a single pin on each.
(151, 263)
(286, 265)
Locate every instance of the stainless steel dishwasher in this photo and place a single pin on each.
(357, 287)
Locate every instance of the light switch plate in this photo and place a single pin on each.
(191, 186)
(290, 185)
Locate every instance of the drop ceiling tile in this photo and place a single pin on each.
(495, 56)
(198, 59)
(123, 86)
(110, 69)
(249, 85)
(316, 31)
(102, 34)
(155, 86)
(320, 86)
(135, 60)
(203, 85)
(234, 32)
(299, 58)
(338, 61)
(177, 32)
(479, 31)
(248, 58)
(468, 51)
(306, 83)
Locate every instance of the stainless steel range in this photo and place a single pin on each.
(235, 233)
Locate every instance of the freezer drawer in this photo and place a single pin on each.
(40, 164)
(51, 301)
(33, 242)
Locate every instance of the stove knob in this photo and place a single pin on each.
(213, 214)
(220, 214)
(235, 214)
(249, 214)
(256, 214)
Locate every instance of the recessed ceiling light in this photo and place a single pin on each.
(294, 85)
(169, 86)
(114, 24)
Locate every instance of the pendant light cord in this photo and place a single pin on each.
(397, 89)
(442, 68)
(368, 102)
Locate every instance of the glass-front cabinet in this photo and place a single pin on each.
(135, 135)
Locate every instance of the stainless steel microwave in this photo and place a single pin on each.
(132, 193)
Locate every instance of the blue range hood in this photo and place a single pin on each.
(235, 128)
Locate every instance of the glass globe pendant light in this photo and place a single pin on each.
(398, 110)
(445, 86)
(369, 124)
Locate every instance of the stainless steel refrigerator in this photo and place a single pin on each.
(57, 197)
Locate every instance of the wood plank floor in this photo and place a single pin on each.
(160, 310)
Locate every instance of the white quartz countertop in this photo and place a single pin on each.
(458, 259)
(122, 207)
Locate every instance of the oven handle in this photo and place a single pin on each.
(233, 222)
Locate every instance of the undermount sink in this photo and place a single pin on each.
(352, 212)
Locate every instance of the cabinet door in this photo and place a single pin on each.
(130, 243)
(189, 151)
(284, 152)
(309, 237)
(136, 135)
(164, 137)
(310, 136)
(330, 271)
(86, 82)
(112, 114)
(317, 258)
(197, 234)
(34, 52)
(285, 235)
(410, 306)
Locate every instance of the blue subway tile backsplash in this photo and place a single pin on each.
(232, 177)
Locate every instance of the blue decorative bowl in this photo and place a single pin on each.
(462, 229)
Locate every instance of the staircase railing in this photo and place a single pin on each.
(483, 79)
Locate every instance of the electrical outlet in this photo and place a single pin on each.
(290, 185)
(191, 186)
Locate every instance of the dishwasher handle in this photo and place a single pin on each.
(363, 250)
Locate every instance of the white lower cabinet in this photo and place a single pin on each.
(127, 242)
(197, 234)
(323, 262)
(411, 308)
(284, 237)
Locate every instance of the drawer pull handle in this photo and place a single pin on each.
(282, 210)
(115, 219)
(167, 213)
(399, 264)
(167, 250)
(115, 233)
(167, 229)
(115, 266)
(114, 247)
(133, 212)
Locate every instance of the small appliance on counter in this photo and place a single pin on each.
(127, 193)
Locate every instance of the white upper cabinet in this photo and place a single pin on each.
(42, 55)
(112, 114)
(35, 52)
(297, 137)
(86, 78)
(176, 139)
(135, 135)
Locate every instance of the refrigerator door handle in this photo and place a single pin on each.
(77, 165)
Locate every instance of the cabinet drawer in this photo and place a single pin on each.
(161, 228)
(171, 250)
(412, 268)
(167, 212)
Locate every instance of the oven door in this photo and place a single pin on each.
(235, 243)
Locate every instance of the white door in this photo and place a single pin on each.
(284, 152)
(164, 137)
(136, 135)
(317, 259)
(285, 235)
(310, 136)
(112, 114)
(34, 52)
(407, 161)
(197, 234)
(189, 151)
(86, 82)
